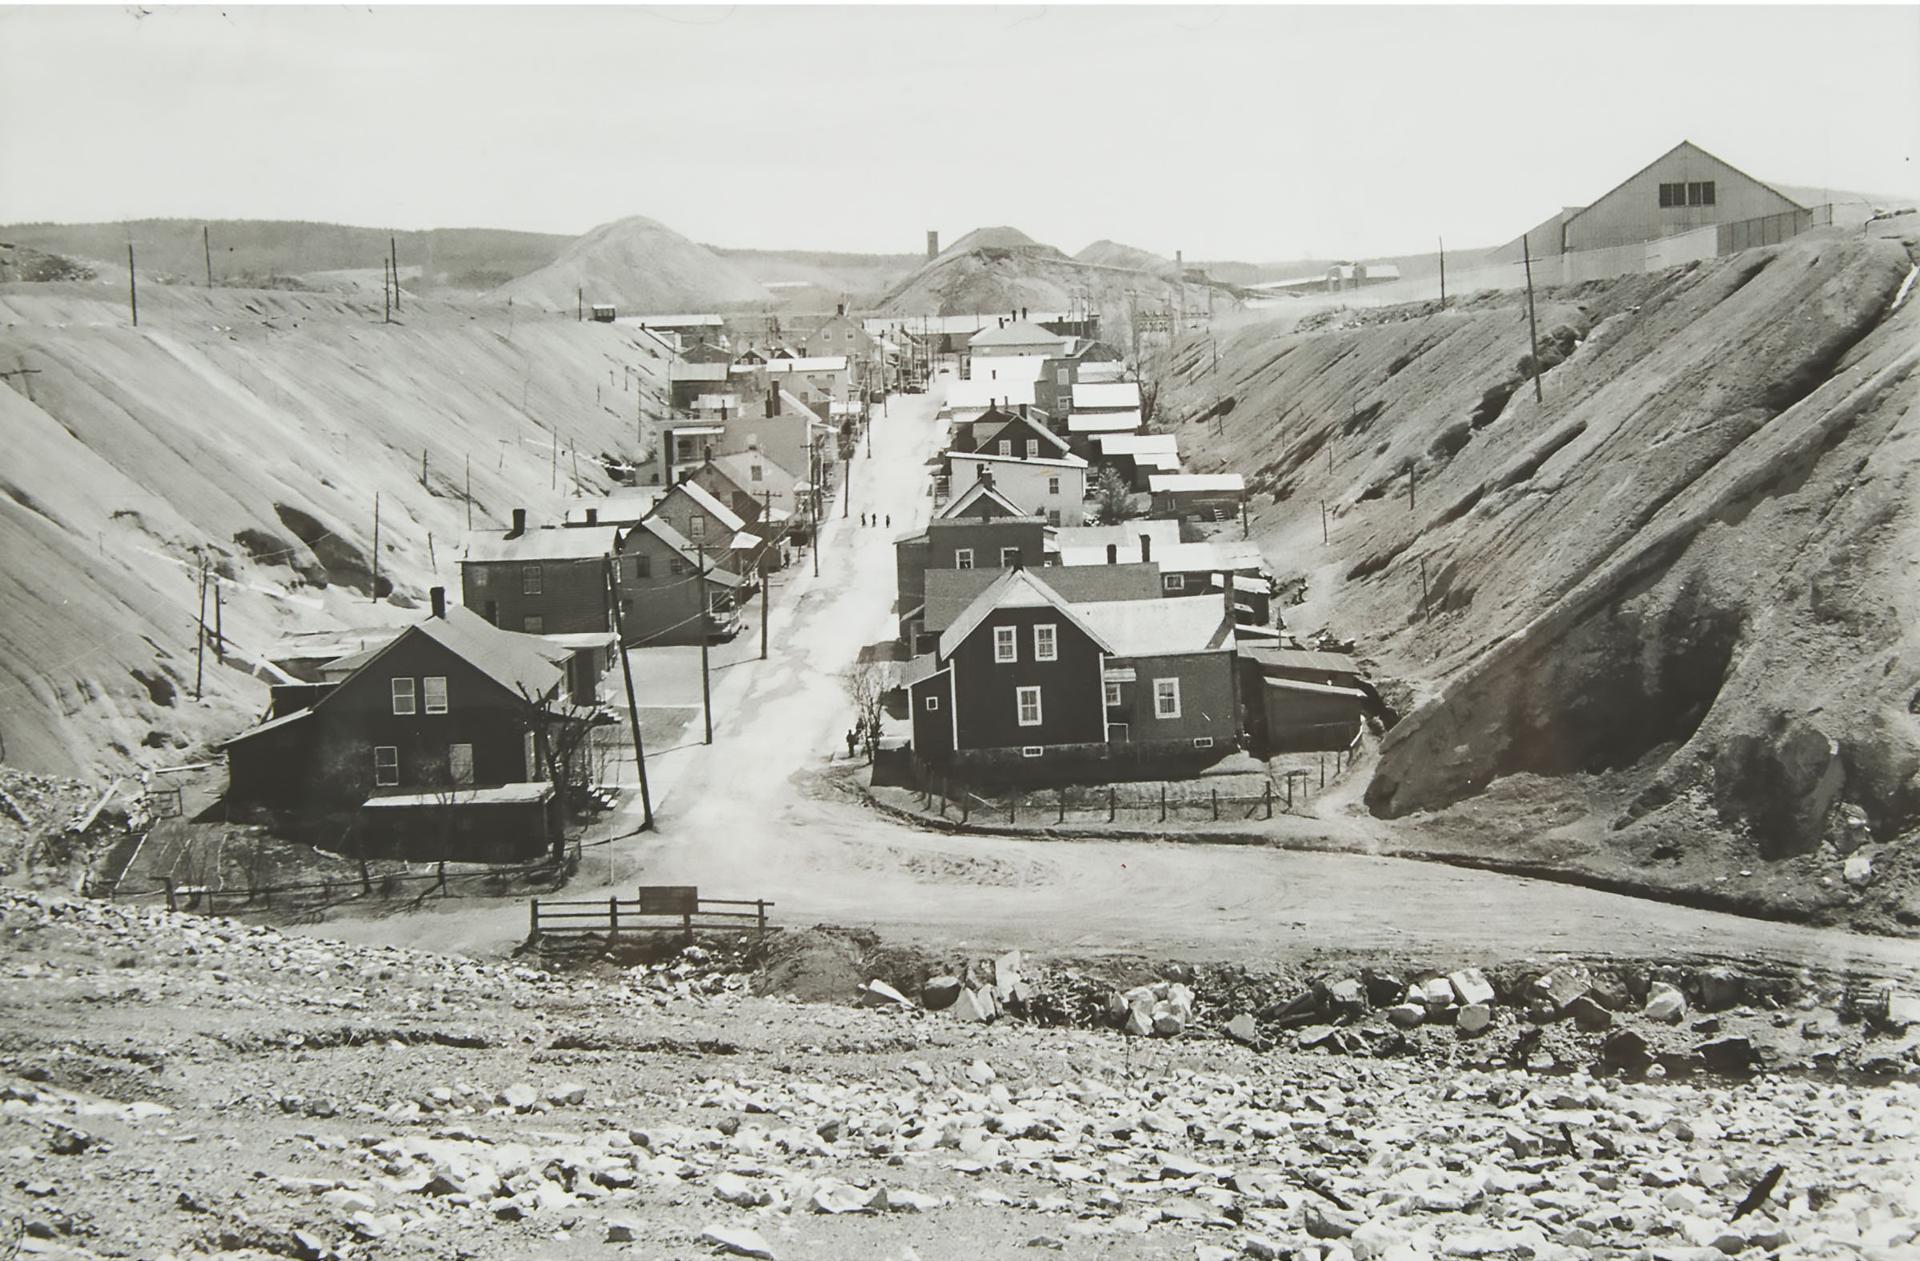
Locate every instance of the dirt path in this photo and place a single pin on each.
(750, 817)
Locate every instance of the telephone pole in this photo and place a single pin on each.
(1533, 330)
(813, 501)
(633, 708)
(766, 526)
(1443, 273)
(706, 694)
(393, 256)
(206, 243)
(375, 596)
(133, 288)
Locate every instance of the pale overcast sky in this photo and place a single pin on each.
(1249, 133)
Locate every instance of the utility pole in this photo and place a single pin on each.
(206, 243)
(1443, 273)
(553, 471)
(1413, 483)
(813, 501)
(469, 493)
(219, 627)
(200, 640)
(393, 254)
(633, 708)
(376, 547)
(1533, 330)
(386, 293)
(133, 288)
(706, 695)
(1323, 521)
(766, 524)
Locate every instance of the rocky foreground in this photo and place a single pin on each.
(174, 1086)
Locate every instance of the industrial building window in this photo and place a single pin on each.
(1113, 695)
(530, 579)
(402, 695)
(963, 558)
(1009, 557)
(933, 704)
(386, 766)
(1174, 582)
(1166, 698)
(1673, 195)
(1700, 194)
(1029, 701)
(434, 689)
(534, 624)
(1046, 642)
(1006, 645)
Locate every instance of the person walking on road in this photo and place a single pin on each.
(851, 738)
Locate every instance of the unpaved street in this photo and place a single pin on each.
(750, 816)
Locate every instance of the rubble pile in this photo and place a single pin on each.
(172, 1086)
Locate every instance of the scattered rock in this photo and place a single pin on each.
(1588, 1014)
(1665, 1004)
(1858, 871)
(1734, 1056)
(1625, 1051)
(877, 993)
(1242, 1029)
(737, 1241)
(1474, 1019)
(1561, 986)
(940, 993)
(1406, 1015)
(622, 1229)
(1470, 987)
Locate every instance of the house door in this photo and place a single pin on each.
(460, 764)
(1116, 733)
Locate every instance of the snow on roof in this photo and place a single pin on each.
(1014, 589)
(686, 551)
(590, 542)
(1137, 443)
(677, 321)
(684, 371)
(1103, 422)
(1018, 333)
(1065, 461)
(1009, 368)
(1211, 555)
(525, 665)
(811, 363)
(1095, 371)
(713, 507)
(491, 795)
(1093, 396)
(1152, 628)
(1318, 689)
(1197, 483)
(1307, 659)
(611, 509)
(950, 591)
(962, 395)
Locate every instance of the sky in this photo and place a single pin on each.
(1229, 133)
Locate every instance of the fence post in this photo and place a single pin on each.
(613, 917)
(366, 878)
(966, 806)
(1063, 806)
(686, 925)
(1013, 804)
(533, 919)
(1323, 770)
(1267, 797)
(171, 905)
(760, 910)
(1215, 792)
(1163, 803)
(1289, 793)
(1111, 802)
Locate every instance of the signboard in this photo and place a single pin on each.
(669, 899)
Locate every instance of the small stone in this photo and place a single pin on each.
(1168, 1024)
(568, 1093)
(307, 1246)
(1406, 1015)
(1562, 985)
(1474, 1019)
(518, 1096)
(1733, 1056)
(1242, 1029)
(1327, 1223)
(900, 1200)
(622, 1229)
(835, 1197)
(731, 1188)
(1052, 1243)
(980, 1073)
(1346, 998)
(1626, 1051)
(1720, 988)
(1588, 1014)
(877, 993)
(1859, 870)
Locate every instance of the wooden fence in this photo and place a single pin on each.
(320, 894)
(675, 910)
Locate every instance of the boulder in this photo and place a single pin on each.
(1006, 975)
(1406, 1015)
(1328, 1223)
(1167, 1022)
(1588, 1014)
(940, 993)
(1139, 1022)
(737, 1241)
(1720, 988)
(1733, 1056)
(1625, 1051)
(567, 1092)
(901, 1200)
(974, 1006)
(1665, 1004)
(1902, 1010)
(1384, 989)
(835, 1197)
(1435, 991)
(1470, 986)
(730, 1188)
(1474, 1019)
(518, 1096)
(1242, 1029)
(1561, 986)
(1858, 871)
(877, 993)
(623, 1229)
(1346, 998)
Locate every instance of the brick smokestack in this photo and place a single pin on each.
(593, 516)
(519, 523)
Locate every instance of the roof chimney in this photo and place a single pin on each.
(519, 523)
(1146, 548)
(839, 308)
(1113, 553)
(723, 411)
(1226, 586)
(933, 243)
(986, 476)
(438, 596)
(1023, 313)
(593, 516)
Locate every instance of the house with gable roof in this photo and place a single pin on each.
(449, 739)
(699, 517)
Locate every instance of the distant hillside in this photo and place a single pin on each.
(996, 239)
(248, 252)
(855, 276)
(1114, 254)
(641, 266)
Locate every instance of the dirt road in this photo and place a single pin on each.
(751, 817)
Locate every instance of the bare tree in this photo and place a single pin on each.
(867, 688)
(561, 731)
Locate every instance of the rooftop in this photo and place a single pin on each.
(1013, 588)
(1103, 422)
(950, 591)
(1106, 396)
(1204, 483)
(1151, 628)
(588, 542)
(1065, 461)
(1017, 333)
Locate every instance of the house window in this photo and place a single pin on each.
(677, 566)
(1203, 742)
(1117, 733)
(402, 696)
(1009, 557)
(1053, 485)
(1063, 375)
(534, 624)
(933, 704)
(1113, 695)
(1033, 448)
(1006, 647)
(386, 766)
(460, 764)
(1028, 699)
(1166, 698)
(1700, 194)
(479, 575)
(1033, 750)
(530, 579)
(963, 558)
(1006, 446)
(642, 567)
(1046, 642)
(697, 527)
(753, 473)
(434, 687)
(1173, 582)
(1053, 516)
